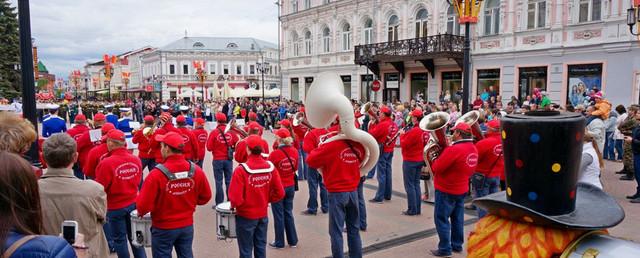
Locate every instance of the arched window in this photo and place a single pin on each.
(307, 43)
(492, 17)
(232, 45)
(295, 42)
(368, 31)
(536, 14)
(421, 23)
(590, 10)
(393, 28)
(198, 45)
(346, 37)
(326, 40)
(453, 27)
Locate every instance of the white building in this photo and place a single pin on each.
(170, 70)
(412, 46)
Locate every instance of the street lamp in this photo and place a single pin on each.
(368, 58)
(633, 17)
(262, 67)
(201, 76)
(467, 13)
(279, 69)
(108, 71)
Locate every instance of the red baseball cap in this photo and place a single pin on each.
(253, 115)
(253, 141)
(80, 118)
(220, 117)
(416, 113)
(199, 121)
(285, 123)
(148, 118)
(301, 109)
(462, 127)
(99, 117)
(385, 109)
(495, 124)
(115, 134)
(181, 119)
(254, 126)
(283, 133)
(106, 128)
(172, 139)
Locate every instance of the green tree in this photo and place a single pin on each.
(9, 51)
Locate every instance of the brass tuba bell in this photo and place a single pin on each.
(471, 119)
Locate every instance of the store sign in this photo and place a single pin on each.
(345, 78)
(376, 85)
(452, 76)
(308, 79)
(295, 80)
(367, 77)
(489, 74)
(392, 85)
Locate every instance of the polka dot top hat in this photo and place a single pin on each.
(542, 153)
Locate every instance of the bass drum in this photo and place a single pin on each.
(598, 244)
(140, 229)
(225, 221)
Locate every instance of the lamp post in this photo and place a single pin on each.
(262, 67)
(367, 57)
(279, 70)
(201, 76)
(633, 18)
(125, 81)
(108, 71)
(467, 11)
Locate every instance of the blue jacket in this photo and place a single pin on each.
(40, 247)
(123, 125)
(113, 119)
(53, 124)
(189, 120)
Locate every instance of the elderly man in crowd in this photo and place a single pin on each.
(65, 197)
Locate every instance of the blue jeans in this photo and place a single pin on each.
(619, 149)
(373, 170)
(362, 208)
(343, 209)
(608, 152)
(411, 178)
(384, 177)
(483, 188)
(303, 169)
(283, 219)
(636, 168)
(315, 181)
(252, 236)
(451, 234)
(164, 240)
(77, 171)
(120, 223)
(222, 170)
(148, 163)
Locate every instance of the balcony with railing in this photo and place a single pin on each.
(423, 50)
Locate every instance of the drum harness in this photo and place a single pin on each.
(179, 175)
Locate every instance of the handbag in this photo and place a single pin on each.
(295, 175)
(229, 148)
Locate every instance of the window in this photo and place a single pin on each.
(294, 6)
(252, 69)
(326, 1)
(225, 69)
(238, 69)
(453, 27)
(536, 14)
(392, 29)
(421, 23)
(307, 43)
(326, 40)
(232, 45)
(368, 31)
(307, 4)
(492, 17)
(172, 69)
(346, 37)
(212, 68)
(589, 10)
(198, 45)
(185, 69)
(296, 44)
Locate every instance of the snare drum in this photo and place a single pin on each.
(225, 221)
(140, 229)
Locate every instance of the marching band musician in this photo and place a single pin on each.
(255, 184)
(201, 135)
(53, 123)
(314, 179)
(253, 117)
(97, 153)
(300, 131)
(286, 123)
(412, 143)
(166, 127)
(339, 161)
(85, 144)
(123, 122)
(241, 153)
(221, 145)
(184, 111)
(383, 130)
(144, 144)
(171, 192)
(486, 179)
(191, 147)
(76, 132)
(111, 118)
(285, 160)
(451, 172)
(120, 173)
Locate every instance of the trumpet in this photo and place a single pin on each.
(231, 126)
(366, 109)
(299, 119)
(471, 119)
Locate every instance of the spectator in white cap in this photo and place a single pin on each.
(184, 110)
(53, 123)
(123, 122)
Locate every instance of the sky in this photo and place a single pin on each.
(70, 33)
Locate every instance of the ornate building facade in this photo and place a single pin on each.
(415, 48)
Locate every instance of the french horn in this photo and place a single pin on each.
(324, 102)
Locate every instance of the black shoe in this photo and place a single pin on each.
(274, 246)
(457, 250)
(406, 213)
(325, 211)
(636, 200)
(626, 178)
(470, 207)
(363, 229)
(621, 172)
(375, 201)
(307, 213)
(636, 195)
(437, 253)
